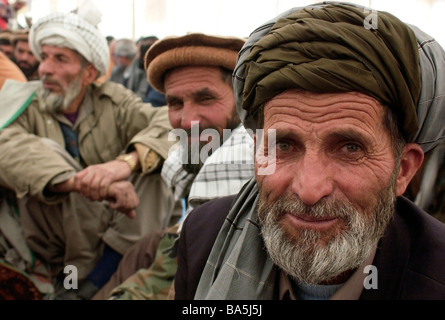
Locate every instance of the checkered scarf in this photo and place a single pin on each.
(223, 173)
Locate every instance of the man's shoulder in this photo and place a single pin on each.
(214, 210)
(422, 225)
(410, 259)
(425, 273)
(199, 232)
(427, 243)
(17, 96)
(113, 90)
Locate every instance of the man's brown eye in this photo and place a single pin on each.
(352, 148)
(351, 151)
(283, 146)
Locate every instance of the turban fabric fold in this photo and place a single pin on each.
(76, 33)
(327, 48)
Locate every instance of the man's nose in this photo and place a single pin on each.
(45, 67)
(189, 115)
(313, 179)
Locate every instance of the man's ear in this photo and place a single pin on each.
(412, 158)
(90, 74)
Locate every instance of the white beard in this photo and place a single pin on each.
(56, 103)
(311, 261)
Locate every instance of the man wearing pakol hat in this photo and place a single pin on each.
(23, 56)
(348, 112)
(83, 159)
(6, 43)
(195, 73)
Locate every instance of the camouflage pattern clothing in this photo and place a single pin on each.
(155, 282)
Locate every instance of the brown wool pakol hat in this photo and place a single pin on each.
(195, 49)
(20, 35)
(6, 36)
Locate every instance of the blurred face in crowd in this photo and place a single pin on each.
(25, 59)
(65, 76)
(7, 49)
(122, 61)
(337, 176)
(202, 95)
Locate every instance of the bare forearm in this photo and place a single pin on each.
(64, 187)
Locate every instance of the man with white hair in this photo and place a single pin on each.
(125, 53)
(78, 155)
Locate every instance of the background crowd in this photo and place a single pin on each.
(90, 177)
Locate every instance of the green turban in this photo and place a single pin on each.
(335, 48)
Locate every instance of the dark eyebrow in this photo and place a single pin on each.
(203, 92)
(344, 135)
(348, 135)
(198, 93)
(62, 55)
(170, 98)
(282, 133)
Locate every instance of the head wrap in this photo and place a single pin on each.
(193, 49)
(74, 32)
(327, 47)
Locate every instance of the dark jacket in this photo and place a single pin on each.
(410, 258)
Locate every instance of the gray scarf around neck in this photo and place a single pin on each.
(230, 273)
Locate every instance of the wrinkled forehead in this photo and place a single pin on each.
(184, 77)
(314, 111)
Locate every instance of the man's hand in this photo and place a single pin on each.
(95, 180)
(123, 198)
(120, 195)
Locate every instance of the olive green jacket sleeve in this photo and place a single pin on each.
(136, 122)
(115, 120)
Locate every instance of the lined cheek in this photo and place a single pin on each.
(274, 183)
(174, 118)
(360, 184)
(378, 171)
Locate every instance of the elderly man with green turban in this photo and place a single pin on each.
(344, 113)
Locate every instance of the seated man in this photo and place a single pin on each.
(348, 112)
(195, 72)
(80, 154)
(151, 95)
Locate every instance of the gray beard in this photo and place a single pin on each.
(311, 259)
(58, 103)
